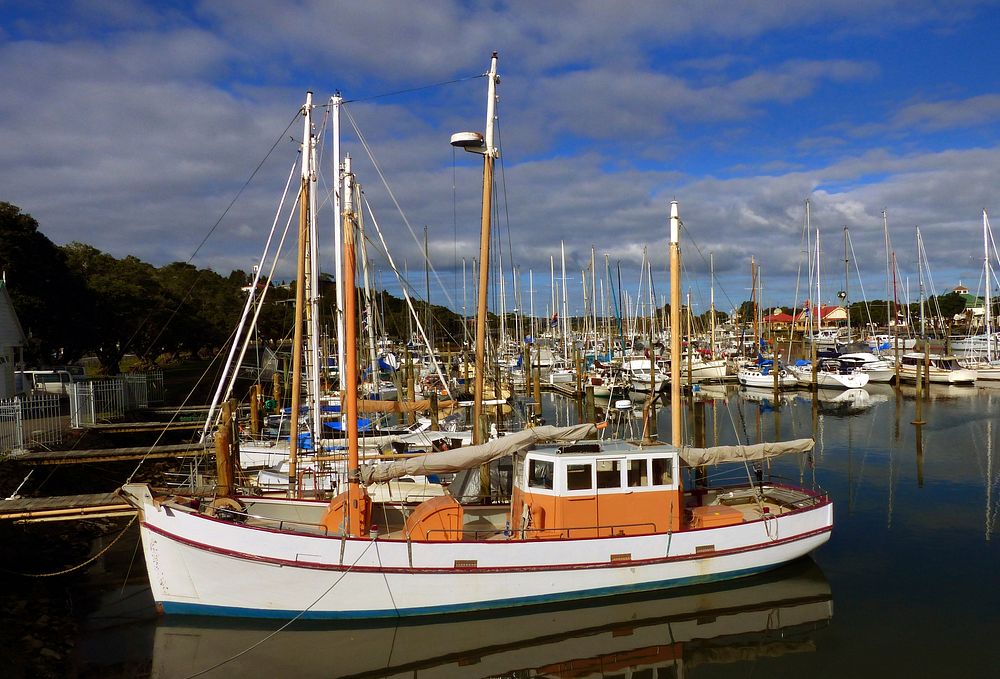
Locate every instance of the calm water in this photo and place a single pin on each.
(909, 584)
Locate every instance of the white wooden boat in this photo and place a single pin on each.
(587, 519)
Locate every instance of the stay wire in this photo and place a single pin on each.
(415, 89)
(208, 235)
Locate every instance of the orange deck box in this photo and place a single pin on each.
(714, 516)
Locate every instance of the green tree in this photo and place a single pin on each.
(130, 304)
(51, 303)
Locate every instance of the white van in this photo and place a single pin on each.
(43, 382)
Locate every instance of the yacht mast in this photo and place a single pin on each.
(356, 494)
(987, 313)
(338, 239)
(675, 325)
(482, 144)
(300, 296)
(565, 305)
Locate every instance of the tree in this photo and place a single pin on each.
(51, 303)
(950, 304)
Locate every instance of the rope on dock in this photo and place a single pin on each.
(78, 566)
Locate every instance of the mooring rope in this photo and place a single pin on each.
(78, 566)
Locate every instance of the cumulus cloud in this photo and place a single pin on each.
(134, 126)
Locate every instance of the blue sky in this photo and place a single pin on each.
(133, 125)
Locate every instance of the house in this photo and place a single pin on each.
(11, 342)
(830, 315)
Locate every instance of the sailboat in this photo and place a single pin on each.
(588, 518)
(985, 347)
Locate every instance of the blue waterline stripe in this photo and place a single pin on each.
(179, 608)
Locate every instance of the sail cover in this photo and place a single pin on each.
(695, 457)
(456, 460)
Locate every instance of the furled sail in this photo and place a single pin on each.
(456, 460)
(696, 457)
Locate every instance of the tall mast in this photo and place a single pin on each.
(675, 325)
(502, 284)
(553, 289)
(565, 305)
(465, 309)
(349, 375)
(312, 313)
(819, 296)
(428, 327)
(531, 303)
(593, 295)
(920, 282)
(847, 276)
(482, 144)
(300, 296)
(987, 314)
(338, 238)
(753, 301)
(890, 319)
(711, 263)
(374, 372)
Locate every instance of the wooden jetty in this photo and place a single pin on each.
(62, 457)
(567, 389)
(64, 508)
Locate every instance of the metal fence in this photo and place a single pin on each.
(30, 422)
(108, 400)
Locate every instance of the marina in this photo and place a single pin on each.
(533, 442)
(909, 499)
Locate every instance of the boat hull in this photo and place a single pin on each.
(755, 378)
(208, 566)
(938, 376)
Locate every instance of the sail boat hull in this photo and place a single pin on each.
(209, 566)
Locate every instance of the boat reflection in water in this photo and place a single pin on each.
(764, 616)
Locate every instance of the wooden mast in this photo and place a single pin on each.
(300, 297)
(675, 325)
(482, 144)
(356, 494)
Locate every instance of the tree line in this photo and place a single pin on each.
(74, 300)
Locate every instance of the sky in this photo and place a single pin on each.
(167, 131)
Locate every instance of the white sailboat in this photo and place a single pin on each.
(985, 347)
(588, 518)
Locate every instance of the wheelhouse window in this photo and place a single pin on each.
(663, 471)
(579, 477)
(609, 473)
(638, 473)
(540, 474)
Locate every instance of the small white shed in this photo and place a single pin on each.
(11, 342)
